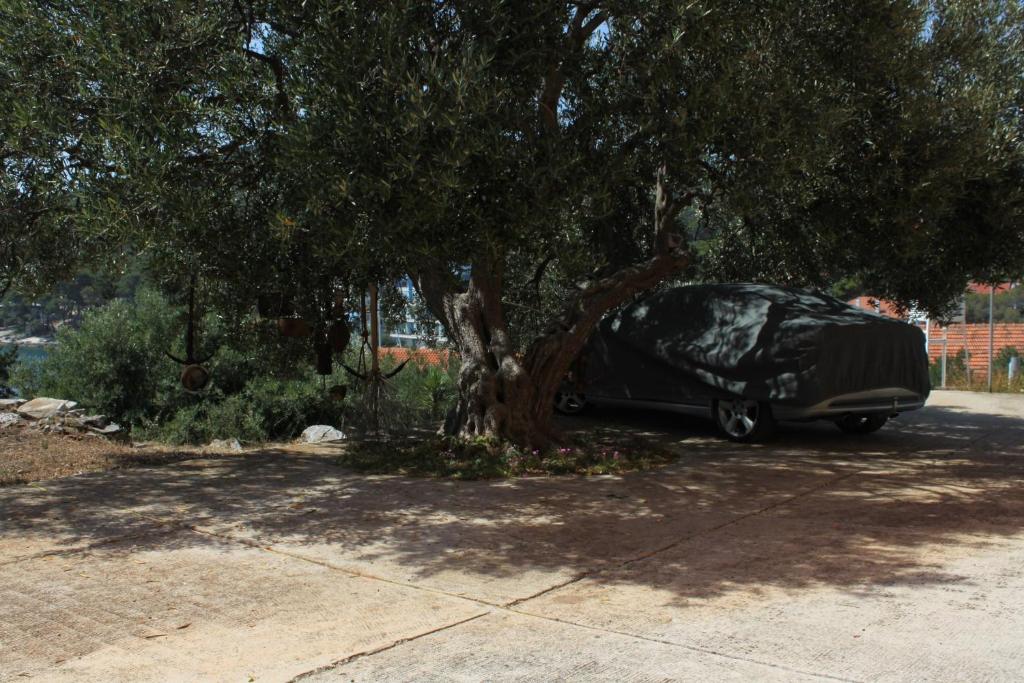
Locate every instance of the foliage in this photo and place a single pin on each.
(1007, 307)
(263, 387)
(489, 459)
(307, 150)
(1002, 358)
(8, 357)
(114, 364)
(66, 302)
(957, 376)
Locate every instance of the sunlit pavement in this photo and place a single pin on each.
(896, 556)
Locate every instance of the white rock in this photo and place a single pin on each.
(39, 408)
(10, 403)
(106, 430)
(9, 420)
(322, 434)
(225, 445)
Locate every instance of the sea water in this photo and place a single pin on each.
(29, 353)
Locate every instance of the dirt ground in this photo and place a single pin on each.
(898, 556)
(28, 455)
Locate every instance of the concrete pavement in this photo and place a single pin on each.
(897, 556)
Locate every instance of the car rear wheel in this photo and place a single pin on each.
(744, 420)
(861, 424)
(570, 402)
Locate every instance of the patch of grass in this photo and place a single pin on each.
(446, 457)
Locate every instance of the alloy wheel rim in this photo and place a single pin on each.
(738, 417)
(570, 402)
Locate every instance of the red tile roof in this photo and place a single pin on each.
(976, 337)
(984, 289)
(869, 303)
(418, 356)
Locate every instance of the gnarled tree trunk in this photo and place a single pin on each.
(496, 392)
(508, 397)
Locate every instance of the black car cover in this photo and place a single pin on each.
(758, 341)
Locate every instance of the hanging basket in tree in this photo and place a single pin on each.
(194, 377)
(294, 328)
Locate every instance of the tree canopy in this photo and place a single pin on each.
(530, 165)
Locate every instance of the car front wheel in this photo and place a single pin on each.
(570, 402)
(861, 424)
(744, 420)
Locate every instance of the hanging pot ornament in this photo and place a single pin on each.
(339, 334)
(194, 377)
(293, 327)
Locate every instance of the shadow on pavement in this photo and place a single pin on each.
(813, 507)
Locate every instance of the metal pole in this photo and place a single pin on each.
(991, 333)
(967, 351)
(374, 330)
(945, 344)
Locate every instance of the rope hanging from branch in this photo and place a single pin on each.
(194, 377)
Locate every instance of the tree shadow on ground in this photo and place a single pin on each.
(813, 507)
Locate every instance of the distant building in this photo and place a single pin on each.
(410, 333)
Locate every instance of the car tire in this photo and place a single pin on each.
(743, 420)
(568, 402)
(861, 424)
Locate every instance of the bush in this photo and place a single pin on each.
(113, 364)
(263, 386)
(230, 418)
(8, 357)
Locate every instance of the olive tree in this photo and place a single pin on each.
(531, 165)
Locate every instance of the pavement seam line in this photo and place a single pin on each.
(350, 572)
(503, 608)
(384, 648)
(670, 643)
(172, 527)
(509, 607)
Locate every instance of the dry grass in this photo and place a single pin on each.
(28, 455)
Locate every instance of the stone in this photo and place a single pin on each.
(322, 434)
(39, 408)
(9, 420)
(95, 421)
(106, 430)
(225, 445)
(10, 403)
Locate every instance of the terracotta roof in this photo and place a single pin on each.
(976, 336)
(870, 303)
(418, 356)
(984, 289)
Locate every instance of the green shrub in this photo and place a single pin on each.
(8, 357)
(1001, 362)
(230, 418)
(285, 407)
(113, 364)
(262, 385)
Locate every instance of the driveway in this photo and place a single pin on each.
(897, 556)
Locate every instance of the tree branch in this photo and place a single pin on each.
(277, 67)
(434, 284)
(666, 209)
(554, 82)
